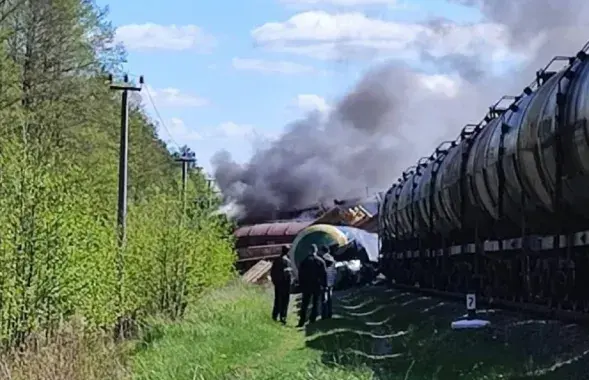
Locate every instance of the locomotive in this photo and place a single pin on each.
(503, 210)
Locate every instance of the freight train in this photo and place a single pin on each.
(503, 210)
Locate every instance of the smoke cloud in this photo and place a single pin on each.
(541, 29)
(395, 115)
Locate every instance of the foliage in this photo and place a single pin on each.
(193, 252)
(59, 132)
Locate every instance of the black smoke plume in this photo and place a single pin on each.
(370, 135)
(394, 116)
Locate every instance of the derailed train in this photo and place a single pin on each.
(504, 209)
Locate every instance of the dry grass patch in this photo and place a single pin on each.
(72, 354)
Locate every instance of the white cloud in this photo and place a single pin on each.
(233, 130)
(151, 36)
(177, 131)
(280, 67)
(440, 83)
(311, 102)
(244, 133)
(354, 35)
(173, 97)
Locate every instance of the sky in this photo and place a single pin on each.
(231, 74)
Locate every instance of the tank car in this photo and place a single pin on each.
(503, 210)
(354, 250)
(264, 241)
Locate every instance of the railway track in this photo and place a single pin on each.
(533, 310)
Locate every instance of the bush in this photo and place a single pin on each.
(172, 257)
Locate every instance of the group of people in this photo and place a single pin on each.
(317, 275)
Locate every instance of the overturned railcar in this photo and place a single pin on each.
(350, 246)
(264, 241)
(503, 210)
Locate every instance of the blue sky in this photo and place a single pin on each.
(222, 75)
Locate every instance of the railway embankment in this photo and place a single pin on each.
(376, 333)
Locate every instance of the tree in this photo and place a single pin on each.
(59, 132)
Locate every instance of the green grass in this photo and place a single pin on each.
(229, 335)
(377, 334)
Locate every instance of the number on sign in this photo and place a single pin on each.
(471, 302)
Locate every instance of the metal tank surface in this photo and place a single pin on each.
(365, 244)
(264, 241)
(502, 210)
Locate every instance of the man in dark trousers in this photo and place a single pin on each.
(331, 274)
(312, 278)
(281, 274)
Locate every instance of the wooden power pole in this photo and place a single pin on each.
(124, 152)
(186, 158)
(123, 169)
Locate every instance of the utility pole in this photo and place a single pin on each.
(211, 191)
(186, 158)
(122, 203)
(123, 151)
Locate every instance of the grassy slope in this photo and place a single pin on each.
(378, 334)
(230, 336)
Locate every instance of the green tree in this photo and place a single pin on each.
(59, 132)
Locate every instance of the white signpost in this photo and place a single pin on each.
(471, 302)
(471, 322)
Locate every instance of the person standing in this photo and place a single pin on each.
(281, 274)
(331, 274)
(312, 277)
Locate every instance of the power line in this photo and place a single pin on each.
(161, 120)
(159, 117)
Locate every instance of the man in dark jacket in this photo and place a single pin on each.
(312, 278)
(281, 274)
(331, 275)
